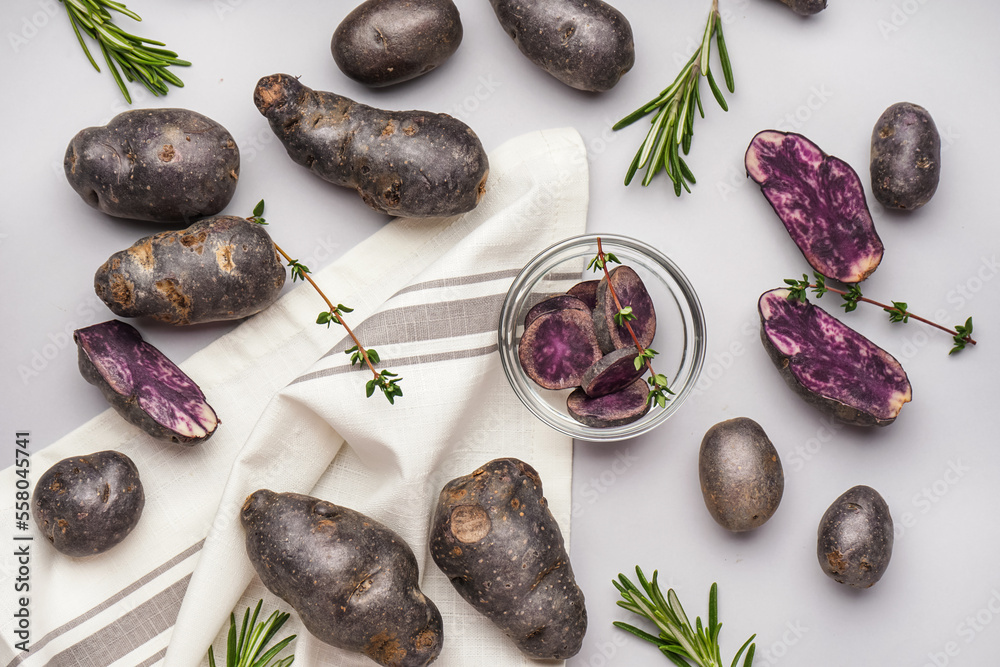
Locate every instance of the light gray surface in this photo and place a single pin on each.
(828, 77)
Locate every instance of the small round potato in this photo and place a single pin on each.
(383, 42)
(854, 542)
(905, 157)
(741, 476)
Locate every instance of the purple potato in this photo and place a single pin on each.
(162, 165)
(805, 7)
(221, 268)
(142, 385)
(382, 42)
(494, 537)
(622, 407)
(631, 292)
(586, 44)
(353, 581)
(406, 163)
(585, 291)
(854, 540)
(905, 157)
(830, 365)
(557, 348)
(821, 202)
(84, 505)
(613, 372)
(740, 473)
(552, 304)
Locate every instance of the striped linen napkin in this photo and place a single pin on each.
(295, 418)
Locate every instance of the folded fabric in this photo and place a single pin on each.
(426, 295)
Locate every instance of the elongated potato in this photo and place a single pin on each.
(220, 268)
(351, 580)
(406, 163)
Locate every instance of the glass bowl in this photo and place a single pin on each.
(680, 327)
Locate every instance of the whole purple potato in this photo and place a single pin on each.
(220, 268)
(854, 542)
(142, 385)
(383, 42)
(586, 44)
(352, 581)
(161, 165)
(741, 476)
(905, 157)
(406, 163)
(494, 537)
(805, 7)
(84, 505)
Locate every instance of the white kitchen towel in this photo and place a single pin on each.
(426, 295)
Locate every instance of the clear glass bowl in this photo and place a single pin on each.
(680, 327)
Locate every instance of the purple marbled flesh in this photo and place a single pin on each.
(558, 347)
(615, 371)
(631, 291)
(821, 202)
(831, 361)
(145, 387)
(552, 304)
(622, 407)
(586, 292)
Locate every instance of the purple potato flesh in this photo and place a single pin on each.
(820, 200)
(615, 371)
(829, 364)
(557, 348)
(905, 157)
(142, 385)
(552, 304)
(622, 407)
(854, 539)
(586, 292)
(631, 292)
(84, 505)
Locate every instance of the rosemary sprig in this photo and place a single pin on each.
(659, 388)
(385, 381)
(139, 58)
(898, 312)
(677, 640)
(247, 650)
(673, 125)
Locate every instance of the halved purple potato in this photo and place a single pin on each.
(557, 348)
(552, 304)
(820, 200)
(622, 407)
(631, 292)
(142, 385)
(586, 292)
(829, 364)
(615, 371)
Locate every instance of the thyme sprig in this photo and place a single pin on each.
(247, 649)
(139, 58)
(385, 381)
(672, 127)
(681, 643)
(898, 312)
(659, 386)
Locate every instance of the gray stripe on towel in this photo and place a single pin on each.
(406, 361)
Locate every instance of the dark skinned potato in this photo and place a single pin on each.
(352, 581)
(494, 537)
(586, 44)
(854, 540)
(161, 165)
(383, 42)
(84, 505)
(406, 163)
(805, 7)
(905, 157)
(220, 268)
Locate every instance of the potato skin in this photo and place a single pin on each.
(351, 580)
(494, 537)
(586, 44)
(905, 157)
(805, 7)
(220, 268)
(741, 476)
(406, 163)
(854, 540)
(383, 42)
(160, 165)
(84, 505)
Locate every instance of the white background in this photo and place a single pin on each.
(638, 502)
